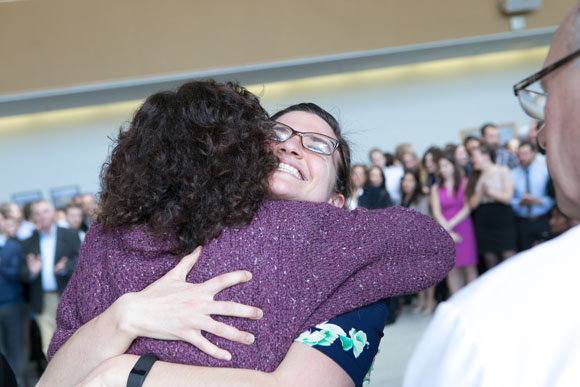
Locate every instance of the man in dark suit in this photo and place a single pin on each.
(12, 310)
(48, 260)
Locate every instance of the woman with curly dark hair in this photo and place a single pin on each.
(224, 181)
(310, 259)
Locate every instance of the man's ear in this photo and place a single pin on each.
(337, 200)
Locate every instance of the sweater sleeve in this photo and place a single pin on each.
(81, 299)
(418, 256)
(365, 255)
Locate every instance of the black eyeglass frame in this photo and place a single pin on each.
(335, 143)
(543, 72)
(539, 75)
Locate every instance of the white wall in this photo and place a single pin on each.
(422, 104)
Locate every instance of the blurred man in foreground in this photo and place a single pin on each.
(518, 324)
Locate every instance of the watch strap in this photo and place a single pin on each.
(140, 370)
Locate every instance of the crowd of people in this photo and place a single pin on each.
(120, 315)
(81, 299)
(494, 199)
(39, 246)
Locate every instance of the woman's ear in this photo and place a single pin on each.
(337, 200)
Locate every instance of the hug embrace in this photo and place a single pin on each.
(207, 166)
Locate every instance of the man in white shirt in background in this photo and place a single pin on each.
(393, 173)
(48, 259)
(519, 324)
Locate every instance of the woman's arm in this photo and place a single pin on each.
(475, 199)
(309, 365)
(460, 216)
(436, 207)
(145, 314)
(506, 194)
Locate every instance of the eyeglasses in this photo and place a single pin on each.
(313, 142)
(533, 102)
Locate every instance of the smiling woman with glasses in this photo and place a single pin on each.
(319, 143)
(313, 142)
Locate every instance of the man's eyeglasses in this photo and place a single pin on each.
(313, 142)
(533, 102)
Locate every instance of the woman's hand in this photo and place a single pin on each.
(455, 236)
(173, 309)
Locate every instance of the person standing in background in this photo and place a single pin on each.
(429, 162)
(73, 219)
(48, 260)
(413, 197)
(89, 207)
(490, 137)
(358, 177)
(531, 202)
(489, 190)
(375, 194)
(11, 302)
(393, 173)
(470, 143)
(462, 159)
(451, 210)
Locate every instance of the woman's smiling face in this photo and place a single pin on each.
(302, 174)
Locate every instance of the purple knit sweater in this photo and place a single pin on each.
(310, 262)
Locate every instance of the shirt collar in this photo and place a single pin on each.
(52, 232)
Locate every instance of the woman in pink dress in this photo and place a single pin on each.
(452, 212)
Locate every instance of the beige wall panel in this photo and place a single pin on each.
(48, 44)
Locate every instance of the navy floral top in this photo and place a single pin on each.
(351, 339)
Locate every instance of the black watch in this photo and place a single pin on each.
(140, 370)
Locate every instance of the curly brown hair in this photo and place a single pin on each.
(191, 162)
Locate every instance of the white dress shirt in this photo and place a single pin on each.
(47, 251)
(393, 176)
(517, 325)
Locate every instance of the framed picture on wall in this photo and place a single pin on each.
(507, 131)
(21, 198)
(61, 196)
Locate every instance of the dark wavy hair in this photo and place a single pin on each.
(383, 185)
(456, 173)
(190, 163)
(343, 184)
(417, 193)
(476, 174)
